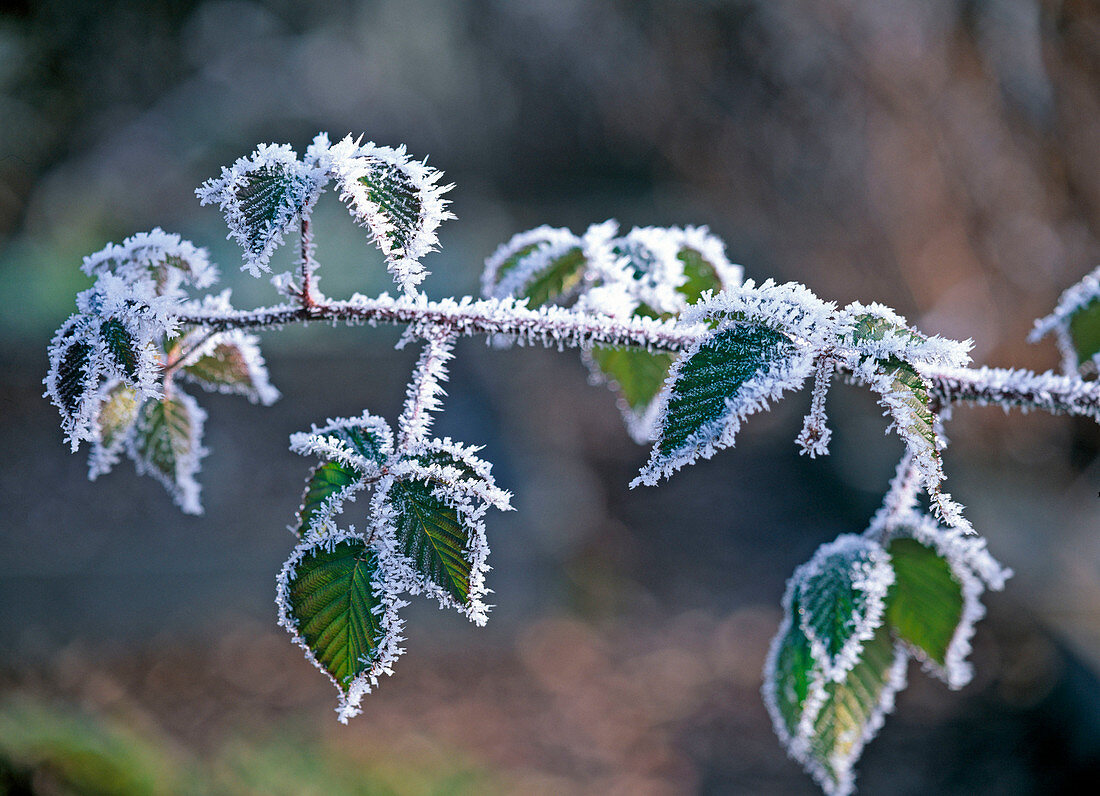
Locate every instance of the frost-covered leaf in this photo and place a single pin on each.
(335, 599)
(363, 443)
(262, 196)
(1075, 323)
(167, 444)
(428, 516)
(841, 594)
(825, 715)
(935, 602)
(231, 362)
(118, 407)
(542, 265)
(163, 260)
(74, 377)
(850, 714)
(888, 356)
(327, 485)
(731, 373)
(398, 199)
(433, 536)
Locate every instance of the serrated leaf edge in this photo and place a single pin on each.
(316, 442)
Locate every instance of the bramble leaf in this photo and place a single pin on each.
(120, 345)
(850, 714)
(731, 373)
(262, 196)
(363, 443)
(166, 444)
(1084, 331)
(1075, 323)
(114, 421)
(333, 598)
(398, 199)
(231, 363)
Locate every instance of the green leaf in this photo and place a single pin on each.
(225, 365)
(268, 198)
(560, 277)
(326, 480)
(398, 198)
(335, 601)
(852, 712)
(874, 327)
(513, 260)
(120, 345)
(1084, 331)
(925, 605)
(368, 443)
(446, 459)
(919, 419)
(637, 374)
(711, 378)
(701, 275)
(840, 596)
(433, 536)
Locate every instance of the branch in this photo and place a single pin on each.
(567, 328)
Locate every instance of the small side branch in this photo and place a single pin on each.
(425, 389)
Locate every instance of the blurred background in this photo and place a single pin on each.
(940, 157)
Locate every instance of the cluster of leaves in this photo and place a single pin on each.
(853, 616)
(702, 351)
(340, 592)
(398, 200)
(116, 363)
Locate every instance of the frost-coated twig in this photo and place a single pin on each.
(565, 328)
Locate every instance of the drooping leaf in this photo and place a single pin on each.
(851, 713)
(327, 480)
(638, 374)
(333, 598)
(840, 594)
(731, 373)
(433, 536)
(925, 605)
(262, 195)
(120, 345)
(935, 602)
(167, 445)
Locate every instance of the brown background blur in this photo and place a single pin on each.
(940, 157)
